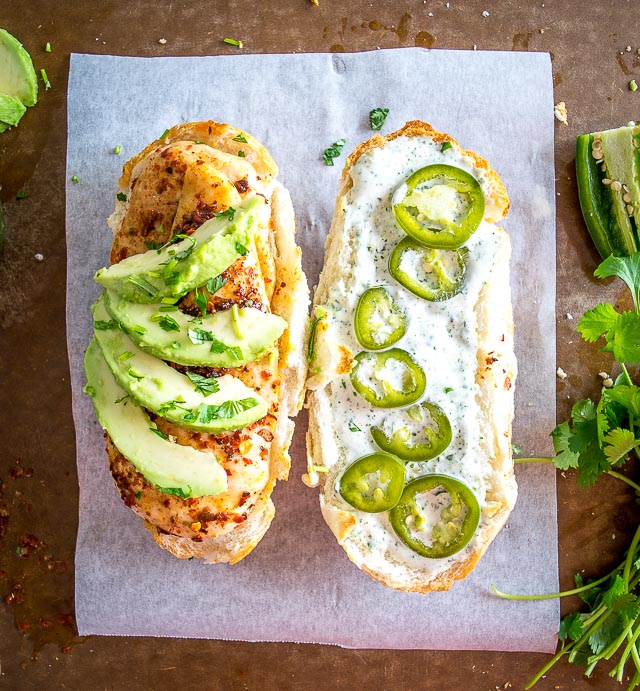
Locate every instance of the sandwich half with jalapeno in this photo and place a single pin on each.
(411, 363)
(197, 361)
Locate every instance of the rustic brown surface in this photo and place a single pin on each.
(38, 500)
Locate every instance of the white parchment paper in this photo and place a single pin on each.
(298, 584)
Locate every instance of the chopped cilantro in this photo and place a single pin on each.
(75, 179)
(122, 197)
(163, 136)
(200, 336)
(233, 42)
(206, 413)
(160, 433)
(177, 491)
(241, 249)
(214, 284)
(117, 149)
(204, 385)
(446, 146)
(101, 325)
(165, 322)
(47, 47)
(377, 117)
(333, 151)
(240, 138)
(45, 79)
(241, 153)
(127, 355)
(353, 427)
(22, 195)
(228, 213)
(201, 301)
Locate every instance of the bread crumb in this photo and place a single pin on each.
(628, 49)
(162, 41)
(485, 13)
(39, 257)
(569, 316)
(315, 2)
(560, 112)
(561, 374)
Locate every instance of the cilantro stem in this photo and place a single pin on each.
(626, 374)
(550, 596)
(613, 473)
(546, 668)
(630, 557)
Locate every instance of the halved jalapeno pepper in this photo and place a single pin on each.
(439, 206)
(379, 320)
(402, 442)
(452, 501)
(389, 379)
(431, 274)
(373, 483)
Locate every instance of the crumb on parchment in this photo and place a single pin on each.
(560, 112)
(561, 374)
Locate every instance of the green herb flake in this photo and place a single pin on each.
(165, 322)
(377, 117)
(228, 213)
(240, 138)
(177, 491)
(204, 385)
(241, 249)
(22, 195)
(214, 284)
(446, 146)
(633, 85)
(101, 325)
(122, 197)
(447, 389)
(233, 42)
(47, 47)
(45, 79)
(201, 301)
(117, 149)
(138, 495)
(135, 375)
(127, 355)
(163, 136)
(200, 336)
(90, 390)
(333, 151)
(516, 450)
(353, 427)
(75, 179)
(160, 433)
(224, 411)
(241, 153)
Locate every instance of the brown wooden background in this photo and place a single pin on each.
(38, 497)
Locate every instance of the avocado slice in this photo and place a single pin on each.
(229, 338)
(177, 268)
(11, 110)
(621, 151)
(167, 392)
(169, 466)
(17, 76)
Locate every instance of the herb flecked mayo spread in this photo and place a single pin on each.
(443, 337)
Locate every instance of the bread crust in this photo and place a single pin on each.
(285, 285)
(495, 378)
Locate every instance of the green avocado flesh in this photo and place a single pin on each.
(11, 110)
(177, 268)
(170, 394)
(229, 338)
(17, 76)
(162, 462)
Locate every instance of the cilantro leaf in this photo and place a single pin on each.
(623, 340)
(571, 627)
(606, 633)
(226, 410)
(227, 213)
(214, 284)
(625, 268)
(121, 197)
(627, 396)
(200, 336)
(201, 301)
(377, 117)
(204, 385)
(177, 491)
(618, 443)
(565, 458)
(160, 433)
(240, 138)
(333, 151)
(597, 321)
(166, 322)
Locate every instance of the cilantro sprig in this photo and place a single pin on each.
(597, 439)
(333, 151)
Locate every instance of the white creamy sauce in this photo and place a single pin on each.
(441, 337)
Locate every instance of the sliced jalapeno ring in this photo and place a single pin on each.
(388, 379)
(439, 206)
(373, 483)
(431, 274)
(379, 320)
(401, 442)
(452, 501)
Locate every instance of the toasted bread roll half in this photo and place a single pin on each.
(412, 369)
(207, 284)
